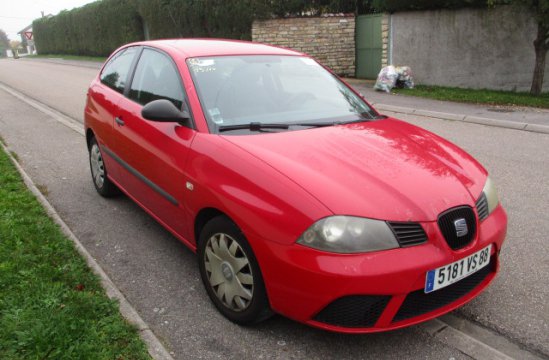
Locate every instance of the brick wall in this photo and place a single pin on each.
(329, 39)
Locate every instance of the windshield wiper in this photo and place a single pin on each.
(370, 117)
(253, 126)
(313, 124)
(257, 126)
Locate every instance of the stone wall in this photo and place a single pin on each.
(329, 39)
(385, 39)
(470, 48)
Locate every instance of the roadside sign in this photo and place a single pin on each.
(28, 35)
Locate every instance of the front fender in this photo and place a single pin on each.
(257, 197)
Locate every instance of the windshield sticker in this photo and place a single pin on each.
(215, 115)
(202, 65)
(309, 61)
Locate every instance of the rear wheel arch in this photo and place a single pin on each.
(98, 169)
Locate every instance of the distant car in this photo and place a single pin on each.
(297, 196)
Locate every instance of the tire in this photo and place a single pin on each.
(99, 172)
(231, 274)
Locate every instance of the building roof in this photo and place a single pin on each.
(25, 29)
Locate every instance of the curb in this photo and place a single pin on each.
(60, 61)
(463, 342)
(482, 341)
(155, 348)
(515, 125)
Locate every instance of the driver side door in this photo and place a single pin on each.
(153, 154)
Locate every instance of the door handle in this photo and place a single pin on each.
(119, 121)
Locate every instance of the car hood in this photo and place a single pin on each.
(385, 169)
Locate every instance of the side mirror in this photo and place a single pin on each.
(164, 111)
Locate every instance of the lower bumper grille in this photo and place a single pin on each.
(353, 311)
(363, 311)
(419, 303)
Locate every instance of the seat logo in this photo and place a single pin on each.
(461, 227)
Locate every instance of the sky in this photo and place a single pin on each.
(17, 14)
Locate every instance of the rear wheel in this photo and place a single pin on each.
(231, 274)
(99, 172)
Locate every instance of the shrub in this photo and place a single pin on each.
(95, 29)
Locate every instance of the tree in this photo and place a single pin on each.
(15, 44)
(540, 8)
(541, 43)
(4, 43)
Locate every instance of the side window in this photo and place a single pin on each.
(115, 73)
(156, 78)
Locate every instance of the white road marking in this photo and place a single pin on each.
(60, 117)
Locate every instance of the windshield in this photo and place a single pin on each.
(239, 90)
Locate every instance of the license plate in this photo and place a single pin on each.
(451, 273)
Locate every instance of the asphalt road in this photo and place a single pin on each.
(63, 87)
(159, 275)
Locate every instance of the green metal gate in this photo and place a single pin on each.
(368, 46)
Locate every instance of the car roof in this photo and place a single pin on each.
(215, 47)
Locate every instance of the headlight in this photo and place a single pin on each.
(348, 234)
(491, 194)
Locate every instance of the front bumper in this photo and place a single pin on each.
(378, 291)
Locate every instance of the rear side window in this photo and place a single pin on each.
(156, 78)
(115, 73)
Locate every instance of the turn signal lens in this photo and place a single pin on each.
(491, 195)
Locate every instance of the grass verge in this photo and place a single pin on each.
(490, 97)
(69, 57)
(51, 305)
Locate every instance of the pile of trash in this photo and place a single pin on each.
(391, 76)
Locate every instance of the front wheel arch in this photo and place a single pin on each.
(89, 136)
(258, 307)
(203, 217)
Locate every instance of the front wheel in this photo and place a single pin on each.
(99, 172)
(231, 273)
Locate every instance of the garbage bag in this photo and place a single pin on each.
(405, 77)
(391, 76)
(386, 79)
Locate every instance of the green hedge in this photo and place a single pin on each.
(283, 8)
(201, 18)
(95, 29)
(317, 7)
(98, 28)
(404, 5)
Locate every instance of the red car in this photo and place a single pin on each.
(298, 197)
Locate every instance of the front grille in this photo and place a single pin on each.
(408, 233)
(482, 207)
(353, 311)
(419, 303)
(446, 223)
